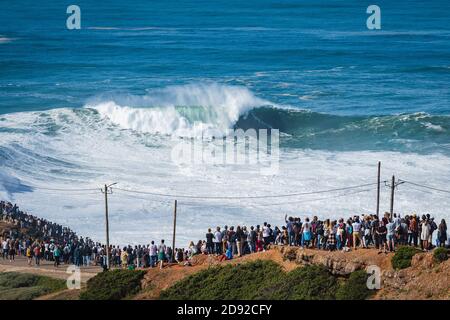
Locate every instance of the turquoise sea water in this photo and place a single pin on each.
(82, 106)
(314, 55)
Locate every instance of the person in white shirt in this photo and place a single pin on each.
(153, 252)
(425, 233)
(356, 227)
(5, 247)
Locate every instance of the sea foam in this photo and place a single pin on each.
(185, 110)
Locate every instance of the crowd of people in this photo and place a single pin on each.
(44, 240)
(365, 231)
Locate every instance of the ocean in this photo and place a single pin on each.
(108, 103)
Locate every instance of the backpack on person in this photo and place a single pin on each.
(319, 229)
(433, 226)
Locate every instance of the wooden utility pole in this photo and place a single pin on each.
(107, 226)
(392, 197)
(393, 185)
(378, 189)
(174, 229)
(105, 191)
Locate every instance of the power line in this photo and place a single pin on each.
(244, 197)
(425, 186)
(45, 188)
(421, 190)
(316, 199)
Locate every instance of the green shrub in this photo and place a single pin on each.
(311, 282)
(355, 288)
(17, 280)
(440, 254)
(253, 281)
(113, 285)
(23, 293)
(231, 282)
(267, 280)
(402, 257)
(51, 284)
(24, 286)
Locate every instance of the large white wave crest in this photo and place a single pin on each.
(184, 110)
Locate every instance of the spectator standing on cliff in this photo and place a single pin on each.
(259, 239)
(12, 251)
(331, 238)
(252, 237)
(413, 231)
(5, 249)
(356, 228)
(425, 233)
(56, 256)
(239, 240)
(245, 242)
(124, 258)
(218, 241)
(161, 254)
(153, 252)
(290, 229)
(297, 231)
(433, 227)
(306, 233)
(225, 239)
(390, 235)
(209, 242)
(442, 233)
(366, 232)
(29, 254)
(37, 254)
(232, 240)
(340, 234)
(348, 231)
(381, 233)
(319, 234)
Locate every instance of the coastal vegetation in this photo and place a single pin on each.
(403, 257)
(440, 254)
(266, 280)
(113, 285)
(24, 286)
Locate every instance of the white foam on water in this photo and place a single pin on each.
(5, 39)
(434, 127)
(184, 110)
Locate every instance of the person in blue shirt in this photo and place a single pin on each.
(229, 253)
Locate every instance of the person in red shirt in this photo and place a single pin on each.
(37, 254)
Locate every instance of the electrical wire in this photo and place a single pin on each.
(48, 189)
(425, 186)
(244, 197)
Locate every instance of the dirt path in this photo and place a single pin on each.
(45, 269)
